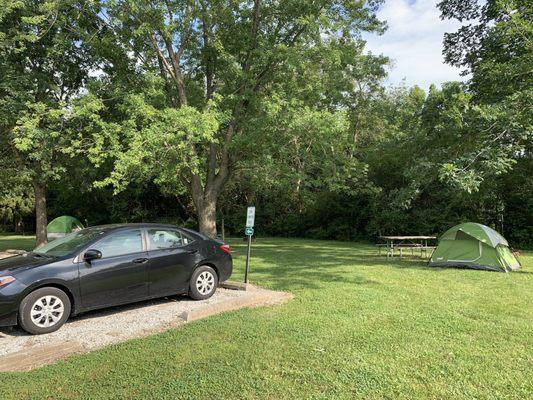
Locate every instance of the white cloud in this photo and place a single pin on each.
(414, 42)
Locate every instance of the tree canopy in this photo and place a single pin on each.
(187, 111)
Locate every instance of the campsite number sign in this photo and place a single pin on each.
(249, 231)
(250, 217)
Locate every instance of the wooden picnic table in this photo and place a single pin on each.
(407, 242)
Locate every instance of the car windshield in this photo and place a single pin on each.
(70, 243)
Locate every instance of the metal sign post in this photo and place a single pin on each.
(249, 231)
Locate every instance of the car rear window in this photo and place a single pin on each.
(164, 239)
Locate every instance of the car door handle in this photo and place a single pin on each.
(140, 260)
(192, 251)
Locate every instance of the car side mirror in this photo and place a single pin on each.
(92, 254)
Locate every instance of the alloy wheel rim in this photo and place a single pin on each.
(47, 311)
(205, 282)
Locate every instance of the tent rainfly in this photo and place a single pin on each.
(473, 245)
(61, 226)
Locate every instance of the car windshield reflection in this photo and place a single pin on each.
(70, 243)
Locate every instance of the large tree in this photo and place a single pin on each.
(218, 63)
(495, 47)
(43, 65)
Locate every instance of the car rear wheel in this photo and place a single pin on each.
(203, 284)
(44, 310)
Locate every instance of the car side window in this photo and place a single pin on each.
(164, 239)
(120, 243)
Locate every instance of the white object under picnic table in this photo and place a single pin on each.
(412, 242)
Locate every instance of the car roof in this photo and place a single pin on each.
(114, 227)
(132, 225)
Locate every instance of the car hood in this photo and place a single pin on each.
(24, 261)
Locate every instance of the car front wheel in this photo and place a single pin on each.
(44, 310)
(203, 284)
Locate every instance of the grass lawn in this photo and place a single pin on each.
(10, 241)
(359, 327)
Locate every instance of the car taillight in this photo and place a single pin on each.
(225, 248)
(4, 280)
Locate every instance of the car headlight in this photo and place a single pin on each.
(4, 280)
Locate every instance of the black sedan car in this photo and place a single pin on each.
(106, 266)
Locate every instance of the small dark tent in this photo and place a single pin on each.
(62, 226)
(476, 246)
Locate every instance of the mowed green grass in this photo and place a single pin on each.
(359, 327)
(10, 241)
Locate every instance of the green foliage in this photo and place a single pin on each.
(217, 67)
(424, 166)
(500, 60)
(16, 197)
(43, 66)
(495, 45)
(160, 143)
(171, 110)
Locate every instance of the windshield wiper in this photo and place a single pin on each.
(35, 254)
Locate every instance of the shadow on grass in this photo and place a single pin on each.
(306, 264)
(314, 264)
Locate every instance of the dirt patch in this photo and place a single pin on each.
(22, 352)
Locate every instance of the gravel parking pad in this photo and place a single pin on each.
(20, 351)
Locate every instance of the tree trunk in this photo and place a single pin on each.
(40, 213)
(207, 217)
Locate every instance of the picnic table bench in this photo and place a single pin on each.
(401, 243)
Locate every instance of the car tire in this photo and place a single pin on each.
(203, 283)
(44, 310)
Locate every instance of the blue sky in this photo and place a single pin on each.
(414, 42)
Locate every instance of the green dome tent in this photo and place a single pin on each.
(61, 226)
(476, 246)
